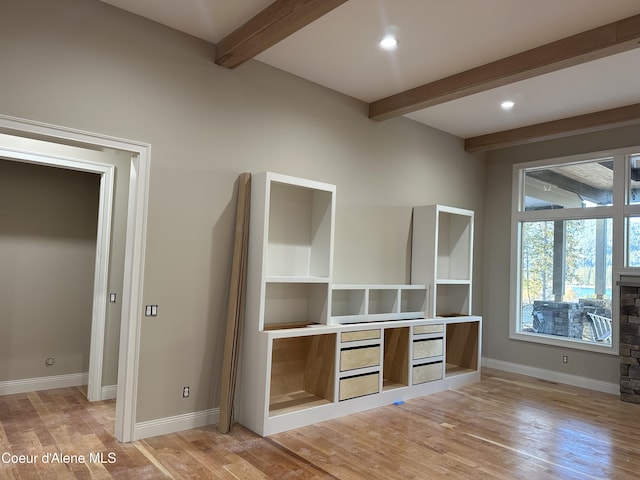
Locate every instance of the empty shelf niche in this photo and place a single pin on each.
(462, 348)
(454, 246)
(348, 302)
(395, 370)
(413, 300)
(290, 305)
(299, 232)
(382, 301)
(302, 373)
(453, 300)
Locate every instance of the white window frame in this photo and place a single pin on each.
(617, 212)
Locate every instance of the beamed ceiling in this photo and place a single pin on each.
(570, 66)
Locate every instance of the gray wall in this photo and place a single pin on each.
(121, 161)
(497, 245)
(86, 65)
(48, 221)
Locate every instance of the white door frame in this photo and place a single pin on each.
(130, 324)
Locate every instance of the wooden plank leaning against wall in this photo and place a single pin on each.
(235, 308)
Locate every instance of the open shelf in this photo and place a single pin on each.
(454, 370)
(395, 371)
(454, 245)
(370, 303)
(442, 257)
(462, 348)
(295, 304)
(302, 373)
(299, 231)
(382, 300)
(453, 299)
(413, 300)
(293, 402)
(348, 301)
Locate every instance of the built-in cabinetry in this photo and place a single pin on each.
(357, 303)
(442, 257)
(307, 375)
(312, 350)
(290, 251)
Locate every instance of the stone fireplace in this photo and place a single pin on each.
(630, 338)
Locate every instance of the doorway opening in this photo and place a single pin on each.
(17, 141)
(48, 276)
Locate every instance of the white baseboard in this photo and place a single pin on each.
(162, 426)
(552, 376)
(43, 383)
(109, 392)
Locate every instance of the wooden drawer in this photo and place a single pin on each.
(427, 373)
(422, 329)
(359, 357)
(359, 335)
(427, 348)
(353, 387)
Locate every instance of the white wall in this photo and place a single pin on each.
(84, 64)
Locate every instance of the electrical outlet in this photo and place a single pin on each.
(565, 359)
(185, 392)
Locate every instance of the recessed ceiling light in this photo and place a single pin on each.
(507, 105)
(388, 42)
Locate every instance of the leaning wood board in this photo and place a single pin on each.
(235, 308)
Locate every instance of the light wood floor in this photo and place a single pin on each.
(504, 427)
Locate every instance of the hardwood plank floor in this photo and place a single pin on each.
(505, 427)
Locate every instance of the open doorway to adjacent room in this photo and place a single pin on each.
(110, 194)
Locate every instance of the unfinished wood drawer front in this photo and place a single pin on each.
(353, 387)
(359, 335)
(422, 329)
(427, 348)
(427, 373)
(359, 357)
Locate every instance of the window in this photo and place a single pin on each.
(566, 272)
(575, 221)
(574, 185)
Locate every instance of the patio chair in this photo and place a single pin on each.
(600, 328)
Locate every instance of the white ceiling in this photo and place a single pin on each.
(437, 38)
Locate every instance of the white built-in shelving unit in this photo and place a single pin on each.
(291, 251)
(357, 303)
(313, 350)
(442, 257)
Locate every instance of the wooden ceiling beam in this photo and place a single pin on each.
(590, 122)
(583, 47)
(274, 23)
